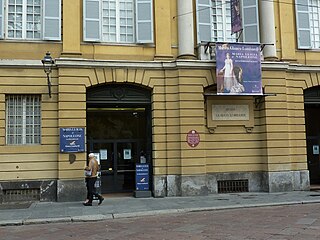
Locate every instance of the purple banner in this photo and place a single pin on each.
(238, 69)
(236, 21)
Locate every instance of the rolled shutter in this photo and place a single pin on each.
(52, 20)
(204, 21)
(250, 18)
(144, 19)
(91, 20)
(303, 24)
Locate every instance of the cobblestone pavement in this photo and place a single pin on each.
(289, 222)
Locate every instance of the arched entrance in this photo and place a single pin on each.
(312, 123)
(119, 133)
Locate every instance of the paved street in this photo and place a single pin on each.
(274, 222)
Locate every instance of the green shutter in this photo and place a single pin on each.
(204, 21)
(303, 24)
(1, 18)
(144, 20)
(250, 13)
(52, 20)
(91, 20)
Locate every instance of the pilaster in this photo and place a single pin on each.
(71, 28)
(162, 20)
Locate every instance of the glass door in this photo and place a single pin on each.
(117, 163)
(125, 166)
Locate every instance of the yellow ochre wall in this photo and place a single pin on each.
(277, 142)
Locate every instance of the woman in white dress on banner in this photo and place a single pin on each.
(228, 76)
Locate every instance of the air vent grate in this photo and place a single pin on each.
(232, 186)
(16, 195)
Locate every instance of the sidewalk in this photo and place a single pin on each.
(122, 207)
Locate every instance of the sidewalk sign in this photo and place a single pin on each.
(142, 181)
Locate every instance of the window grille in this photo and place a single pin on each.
(15, 195)
(231, 186)
(23, 119)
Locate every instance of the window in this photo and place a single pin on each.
(118, 21)
(308, 20)
(23, 119)
(221, 22)
(30, 19)
(214, 21)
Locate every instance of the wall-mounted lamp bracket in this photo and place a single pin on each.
(48, 63)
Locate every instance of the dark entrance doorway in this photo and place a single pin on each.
(119, 132)
(312, 123)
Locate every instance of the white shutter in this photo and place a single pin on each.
(303, 24)
(52, 19)
(250, 20)
(1, 18)
(204, 21)
(91, 20)
(144, 19)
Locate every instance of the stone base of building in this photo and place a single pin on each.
(18, 191)
(71, 190)
(44, 191)
(176, 185)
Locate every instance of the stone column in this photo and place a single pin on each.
(267, 30)
(185, 29)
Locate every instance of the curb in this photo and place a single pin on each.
(101, 217)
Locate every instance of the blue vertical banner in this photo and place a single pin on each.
(238, 69)
(142, 177)
(236, 21)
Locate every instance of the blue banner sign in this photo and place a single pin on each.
(142, 177)
(71, 140)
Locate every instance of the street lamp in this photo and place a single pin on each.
(47, 63)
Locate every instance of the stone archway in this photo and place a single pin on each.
(119, 132)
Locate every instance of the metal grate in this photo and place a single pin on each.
(230, 186)
(16, 195)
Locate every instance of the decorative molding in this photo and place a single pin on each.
(63, 62)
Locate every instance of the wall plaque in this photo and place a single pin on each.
(223, 111)
(72, 140)
(193, 138)
(230, 112)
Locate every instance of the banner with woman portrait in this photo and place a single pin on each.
(238, 69)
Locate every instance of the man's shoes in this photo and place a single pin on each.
(87, 204)
(100, 200)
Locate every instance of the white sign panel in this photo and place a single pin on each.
(103, 154)
(315, 149)
(126, 153)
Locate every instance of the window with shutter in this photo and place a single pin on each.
(119, 21)
(308, 20)
(214, 21)
(30, 19)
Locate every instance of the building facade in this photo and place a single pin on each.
(139, 78)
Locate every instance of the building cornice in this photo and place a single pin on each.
(177, 64)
